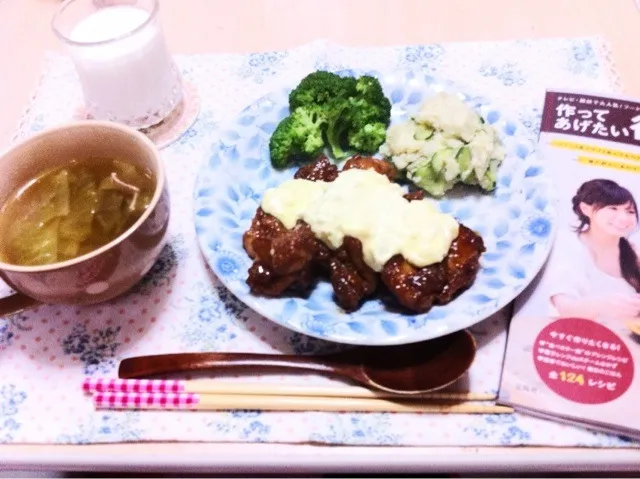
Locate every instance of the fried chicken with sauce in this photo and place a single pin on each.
(283, 259)
(289, 261)
(320, 170)
(368, 163)
(352, 279)
(418, 289)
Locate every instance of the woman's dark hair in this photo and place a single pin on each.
(600, 193)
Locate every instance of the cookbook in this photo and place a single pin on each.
(572, 350)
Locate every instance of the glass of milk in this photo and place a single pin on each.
(121, 57)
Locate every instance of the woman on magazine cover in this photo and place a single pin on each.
(596, 274)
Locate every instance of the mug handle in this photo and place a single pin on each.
(16, 303)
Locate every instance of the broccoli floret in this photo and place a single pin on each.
(367, 122)
(308, 127)
(368, 138)
(281, 144)
(320, 88)
(298, 136)
(369, 89)
(338, 122)
(345, 114)
(363, 112)
(359, 123)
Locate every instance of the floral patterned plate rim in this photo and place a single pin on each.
(516, 221)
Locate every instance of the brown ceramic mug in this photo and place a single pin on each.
(112, 269)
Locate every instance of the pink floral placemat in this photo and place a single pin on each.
(180, 306)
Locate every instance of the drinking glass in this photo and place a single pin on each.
(122, 60)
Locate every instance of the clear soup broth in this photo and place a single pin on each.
(70, 211)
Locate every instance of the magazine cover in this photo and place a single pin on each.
(572, 351)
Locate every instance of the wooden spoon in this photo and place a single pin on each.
(407, 369)
(16, 303)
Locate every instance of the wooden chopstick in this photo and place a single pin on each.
(208, 386)
(214, 402)
(259, 389)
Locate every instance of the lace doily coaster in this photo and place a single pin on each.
(175, 125)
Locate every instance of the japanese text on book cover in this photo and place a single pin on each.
(572, 350)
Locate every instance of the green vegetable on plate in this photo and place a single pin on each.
(344, 115)
(443, 144)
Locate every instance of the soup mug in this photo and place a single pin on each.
(112, 269)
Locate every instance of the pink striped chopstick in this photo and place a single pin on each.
(160, 394)
(213, 386)
(123, 400)
(103, 385)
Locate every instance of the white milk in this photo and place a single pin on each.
(130, 80)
